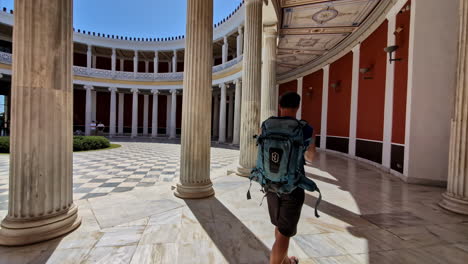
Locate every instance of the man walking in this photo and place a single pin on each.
(284, 145)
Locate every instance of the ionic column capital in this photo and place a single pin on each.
(135, 90)
(88, 87)
(155, 92)
(173, 91)
(113, 89)
(240, 30)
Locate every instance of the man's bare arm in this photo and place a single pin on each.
(310, 153)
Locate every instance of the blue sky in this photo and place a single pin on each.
(137, 18)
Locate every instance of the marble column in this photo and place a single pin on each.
(174, 61)
(173, 124)
(156, 62)
(230, 115)
(113, 60)
(240, 42)
(269, 107)
(195, 141)
(237, 112)
(122, 65)
(121, 113)
(89, 109)
(135, 113)
(215, 114)
(94, 62)
(89, 57)
(154, 123)
(222, 114)
(113, 108)
(456, 197)
(135, 62)
(168, 114)
(252, 62)
(41, 179)
(225, 50)
(145, 114)
(300, 84)
(146, 66)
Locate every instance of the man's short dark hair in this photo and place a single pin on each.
(290, 100)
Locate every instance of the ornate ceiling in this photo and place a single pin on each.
(311, 28)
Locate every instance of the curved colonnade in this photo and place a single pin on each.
(108, 80)
(342, 101)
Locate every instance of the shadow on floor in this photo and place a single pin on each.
(233, 239)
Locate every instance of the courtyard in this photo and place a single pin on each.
(130, 215)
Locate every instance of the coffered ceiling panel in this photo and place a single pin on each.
(311, 28)
(344, 13)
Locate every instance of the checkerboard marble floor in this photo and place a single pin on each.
(134, 165)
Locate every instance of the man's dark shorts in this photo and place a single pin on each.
(285, 211)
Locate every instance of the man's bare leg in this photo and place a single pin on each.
(279, 252)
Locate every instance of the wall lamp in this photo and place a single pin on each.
(363, 71)
(335, 85)
(390, 50)
(310, 91)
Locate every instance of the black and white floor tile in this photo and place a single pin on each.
(134, 165)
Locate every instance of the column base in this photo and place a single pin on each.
(20, 233)
(194, 192)
(243, 172)
(453, 204)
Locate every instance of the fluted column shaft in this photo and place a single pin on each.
(121, 112)
(156, 62)
(113, 108)
(195, 142)
(135, 113)
(230, 115)
(456, 197)
(40, 193)
(89, 57)
(216, 115)
(251, 86)
(113, 60)
(88, 111)
(173, 124)
(225, 50)
(174, 62)
(269, 93)
(135, 62)
(168, 114)
(145, 114)
(240, 44)
(222, 114)
(154, 125)
(237, 113)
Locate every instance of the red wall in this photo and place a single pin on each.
(312, 100)
(79, 107)
(401, 78)
(339, 101)
(103, 107)
(371, 96)
(79, 59)
(103, 63)
(288, 87)
(162, 110)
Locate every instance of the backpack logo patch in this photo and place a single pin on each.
(275, 159)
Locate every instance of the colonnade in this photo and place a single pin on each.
(40, 200)
(223, 124)
(91, 58)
